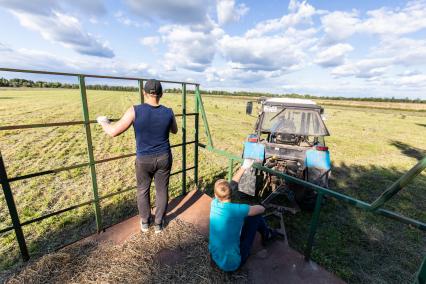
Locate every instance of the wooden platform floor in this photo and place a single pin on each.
(278, 263)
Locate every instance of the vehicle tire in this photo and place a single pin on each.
(304, 197)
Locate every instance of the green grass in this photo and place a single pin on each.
(370, 148)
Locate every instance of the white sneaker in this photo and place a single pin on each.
(158, 228)
(144, 227)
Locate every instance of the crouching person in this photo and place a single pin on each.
(233, 226)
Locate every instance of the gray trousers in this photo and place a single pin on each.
(147, 168)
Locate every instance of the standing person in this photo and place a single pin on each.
(152, 124)
(233, 226)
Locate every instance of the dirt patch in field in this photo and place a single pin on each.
(178, 255)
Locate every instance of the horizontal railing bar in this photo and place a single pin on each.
(115, 158)
(25, 126)
(53, 124)
(178, 145)
(56, 213)
(74, 207)
(339, 196)
(190, 113)
(90, 75)
(54, 171)
(7, 229)
(42, 173)
(407, 220)
(181, 171)
(39, 125)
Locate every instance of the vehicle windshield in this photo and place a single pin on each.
(293, 121)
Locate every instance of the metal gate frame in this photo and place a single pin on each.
(92, 162)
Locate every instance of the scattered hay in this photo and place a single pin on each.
(178, 255)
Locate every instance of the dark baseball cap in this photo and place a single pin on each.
(153, 87)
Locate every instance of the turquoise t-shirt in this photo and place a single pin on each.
(226, 222)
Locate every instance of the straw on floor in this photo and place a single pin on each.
(178, 255)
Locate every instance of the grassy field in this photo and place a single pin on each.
(370, 148)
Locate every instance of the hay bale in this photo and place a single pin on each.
(178, 255)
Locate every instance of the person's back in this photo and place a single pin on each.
(226, 221)
(152, 123)
(152, 127)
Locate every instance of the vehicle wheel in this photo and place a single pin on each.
(304, 197)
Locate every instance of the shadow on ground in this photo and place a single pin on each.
(408, 150)
(363, 247)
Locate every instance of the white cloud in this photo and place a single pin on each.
(339, 25)
(33, 59)
(411, 80)
(365, 68)
(4, 47)
(228, 12)
(387, 21)
(403, 51)
(175, 11)
(44, 7)
(91, 7)
(41, 7)
(300, 13)
(57, 26)
(232, 75)
(150, 40)
(269, 53)
(334, 55)
(123, 19)
(66, 30)
(272, 48)
(190, 47)
(392, 52)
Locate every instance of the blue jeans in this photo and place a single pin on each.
(252, 224)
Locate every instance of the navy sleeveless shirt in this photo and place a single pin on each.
(152, 127)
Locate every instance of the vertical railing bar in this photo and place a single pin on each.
(204, 117)
(90, 154)
(196, 137)
(313, 226)
(230, 169)
(399, 184)
(12, 211)
(140, 85)
(183, 139)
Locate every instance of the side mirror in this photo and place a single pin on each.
(249, 108)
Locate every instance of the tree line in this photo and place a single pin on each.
(18, 83)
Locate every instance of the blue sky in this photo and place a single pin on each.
(335, 48)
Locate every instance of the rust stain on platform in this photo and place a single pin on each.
(278, 263)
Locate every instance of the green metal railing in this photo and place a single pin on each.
(421, 274)
(375, 207)
(5, 181)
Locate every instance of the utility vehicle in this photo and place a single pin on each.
(291, 132)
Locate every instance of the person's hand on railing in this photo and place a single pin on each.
(102, 119)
